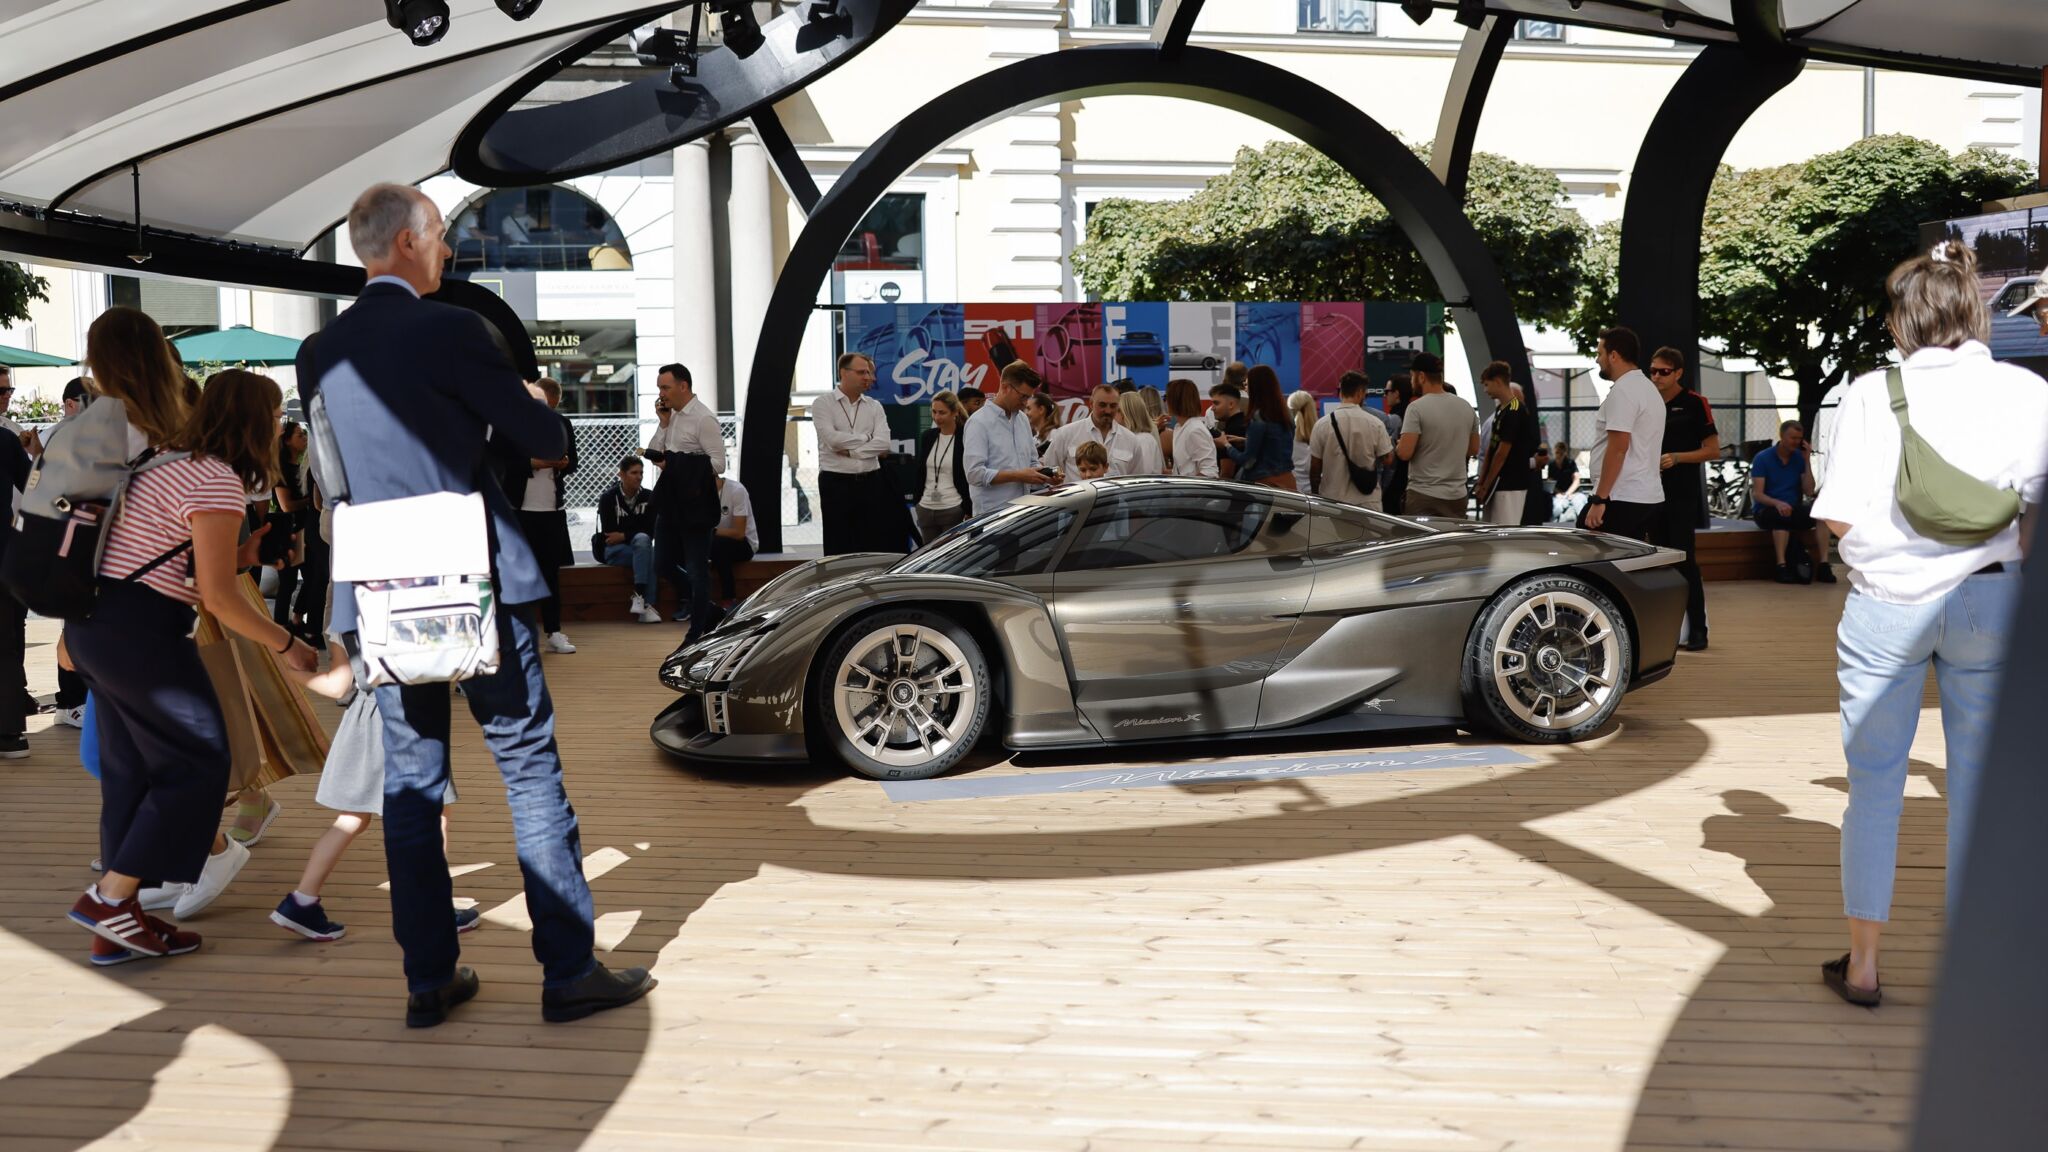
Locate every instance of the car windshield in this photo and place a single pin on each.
(2010, 297)
(1016, 541)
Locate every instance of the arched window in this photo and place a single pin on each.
(551, 229)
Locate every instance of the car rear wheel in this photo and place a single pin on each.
(1547, 661)
(902, 695)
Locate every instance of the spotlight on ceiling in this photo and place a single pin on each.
(667, 48)
(424, 22)
(1471, 13)
(518, 9)
(1670, 19)
(739, 31)
(1575, 5)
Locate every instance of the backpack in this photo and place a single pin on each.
(73, 494)
(1941, 501)
(1363, 479)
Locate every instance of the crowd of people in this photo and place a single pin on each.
(411, 398)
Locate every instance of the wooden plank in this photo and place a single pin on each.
(1613, 948)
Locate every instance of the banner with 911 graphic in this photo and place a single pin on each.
(921, 350)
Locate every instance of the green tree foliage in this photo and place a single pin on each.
(1793, 259)
(17, 288)
(1286, 223)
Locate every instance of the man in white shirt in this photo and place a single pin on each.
(735, 539)
(1628, 443)
(1364, 445)
(1126, 450)
(853, 436)
(690, 448)
(545, 523)
(1002, 456)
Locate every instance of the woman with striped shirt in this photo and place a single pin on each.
(163, 745)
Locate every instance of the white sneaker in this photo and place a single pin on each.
(559, 643)
(642, 612)
(71, 717)
(158, 899)
(213, 880)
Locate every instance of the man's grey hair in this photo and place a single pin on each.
(380, 214)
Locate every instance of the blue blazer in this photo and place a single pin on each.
(413, 387)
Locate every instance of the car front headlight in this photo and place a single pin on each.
(721, 659)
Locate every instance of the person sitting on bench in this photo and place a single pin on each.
(1781, 488)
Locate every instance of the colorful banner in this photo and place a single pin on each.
(921, 350)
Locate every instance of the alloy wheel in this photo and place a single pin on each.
(905, 695)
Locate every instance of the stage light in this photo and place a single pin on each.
(1471, 13)
(1417, 10)
(1670, 19)
(739, 31)
(518, 9)
(424, 22)
(1575, 5)
(667, 48)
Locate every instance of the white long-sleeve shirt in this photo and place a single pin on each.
(692, 430)
(853, 435)
(997, 441)
(1194, 449)
(1126, 450)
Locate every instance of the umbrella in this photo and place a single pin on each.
(240, 344)
(23, 358)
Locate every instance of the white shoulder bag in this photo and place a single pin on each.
(420, 568)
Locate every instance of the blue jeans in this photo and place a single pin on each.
(518, 720)
(1883, 651)
(637, 554)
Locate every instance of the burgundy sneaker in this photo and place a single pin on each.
(124, 924)
(106, 953)
(176, 940)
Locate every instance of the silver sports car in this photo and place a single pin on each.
(1167, 609)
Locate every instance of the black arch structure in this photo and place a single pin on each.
(1433, 219)
(1667, 201)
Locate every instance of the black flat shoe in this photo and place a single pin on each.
(1835, 974)
(426, 1009)
(1696, 644)
(596, 992)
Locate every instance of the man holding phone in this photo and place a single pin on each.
(1000, 452)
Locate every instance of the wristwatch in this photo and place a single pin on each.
(1596, 500)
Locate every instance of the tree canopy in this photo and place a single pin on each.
(17, 288)
(1287, 223)
(1793, 258)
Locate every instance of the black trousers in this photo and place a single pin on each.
(842, 497)
(727, 552)
(14, 697)
(683, 554)
(70, 689)
(1643, 522)
(163, 744)
(311, 602)
(547, 533)
(1680, 530)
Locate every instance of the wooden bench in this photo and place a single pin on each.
(1735, 554)
(604, 591)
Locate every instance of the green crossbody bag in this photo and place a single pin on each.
(1941, 501)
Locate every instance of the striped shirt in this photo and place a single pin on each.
(156, 516)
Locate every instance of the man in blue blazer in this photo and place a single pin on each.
(412, 389)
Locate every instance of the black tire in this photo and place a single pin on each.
(1210, 364)
(877, 733)
(1580, 660)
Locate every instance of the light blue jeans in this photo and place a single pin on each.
(637, 554)
(1883, 651)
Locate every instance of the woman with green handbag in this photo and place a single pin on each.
(1932, 464)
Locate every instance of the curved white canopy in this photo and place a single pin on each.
(256, 120)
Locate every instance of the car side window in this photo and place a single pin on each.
(1018, 541)
(1336, 533)
(1129, 529)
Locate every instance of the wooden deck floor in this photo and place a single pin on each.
(1613, 948)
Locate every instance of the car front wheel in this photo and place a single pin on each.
(902, 695)
(1547, 661)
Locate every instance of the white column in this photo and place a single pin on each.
(750, 234)
(696, 299)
